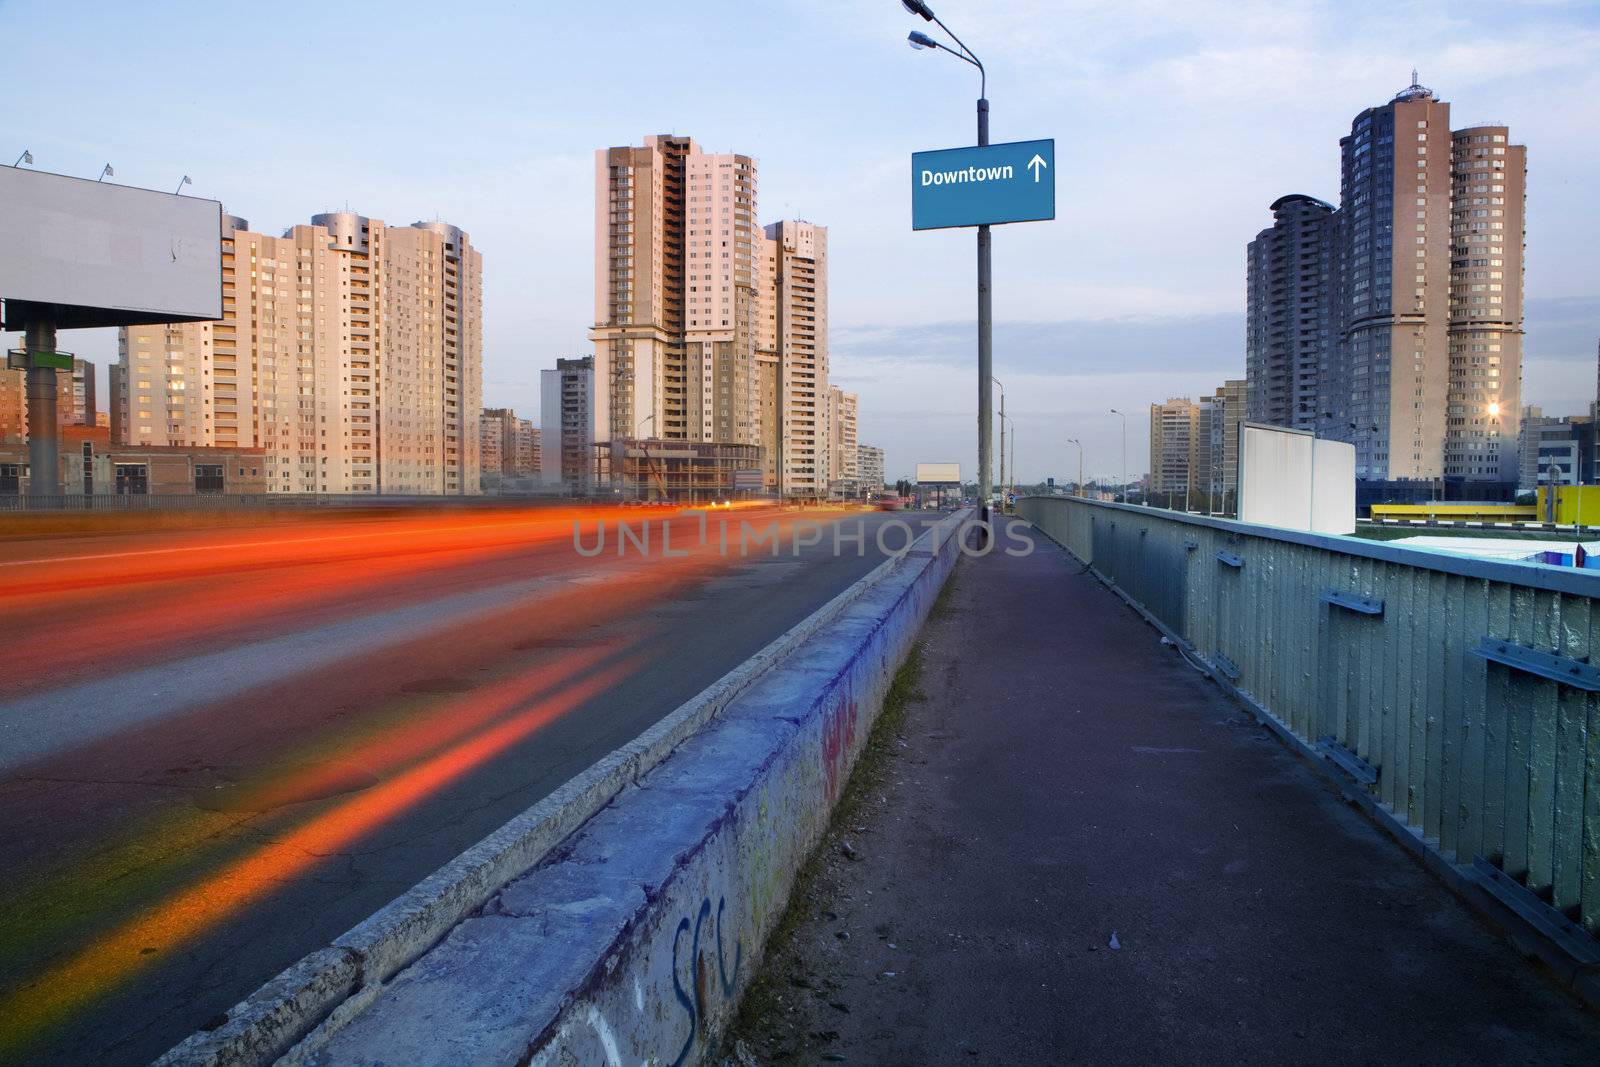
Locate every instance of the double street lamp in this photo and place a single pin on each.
(922, 41)
(1124, 415)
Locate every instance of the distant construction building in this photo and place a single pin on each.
(349, 351)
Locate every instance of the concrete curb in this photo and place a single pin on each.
(337, 982)
(634, 939)
(1532, 943)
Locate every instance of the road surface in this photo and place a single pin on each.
(222, 748)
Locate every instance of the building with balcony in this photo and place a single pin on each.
(349, 351)
(708, 327)
(1417, 278)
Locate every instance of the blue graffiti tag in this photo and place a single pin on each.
(695, 1007)
(683, 998)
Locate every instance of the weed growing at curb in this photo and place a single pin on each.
(763, 1004)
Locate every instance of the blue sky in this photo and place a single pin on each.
(1176, 125)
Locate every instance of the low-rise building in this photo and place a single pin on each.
(92, 466)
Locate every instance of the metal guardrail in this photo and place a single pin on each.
(1463, 683)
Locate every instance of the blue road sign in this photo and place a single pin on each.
(993, 184)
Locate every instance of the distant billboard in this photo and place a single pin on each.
(107, 255)
(1293, 479)
(938, 474)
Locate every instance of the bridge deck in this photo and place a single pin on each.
(1069, 778)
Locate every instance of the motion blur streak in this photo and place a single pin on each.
(224, 582)
(306, 773)
(123, 952)
(230, 744)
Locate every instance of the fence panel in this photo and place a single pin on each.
(1478, 756)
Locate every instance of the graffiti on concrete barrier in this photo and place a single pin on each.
(694, 1006)
(838, 738)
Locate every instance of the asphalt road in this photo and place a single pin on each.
(220, 749)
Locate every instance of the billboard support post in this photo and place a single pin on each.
(44, 446)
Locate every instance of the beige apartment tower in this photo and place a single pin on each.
(1174, 445)
(675, 293)
(707, 327)
(798, 351)
(350, 351)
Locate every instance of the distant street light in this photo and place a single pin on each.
(1124, 415)
(1075, 441)
(1002, 429)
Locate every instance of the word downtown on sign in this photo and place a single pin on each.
(972, 173)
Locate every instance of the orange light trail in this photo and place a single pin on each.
(118, 955)
(418, 559)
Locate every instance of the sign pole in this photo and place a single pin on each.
(985, 340)
(43, 446)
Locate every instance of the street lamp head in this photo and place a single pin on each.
(917, 7)
(919, 40)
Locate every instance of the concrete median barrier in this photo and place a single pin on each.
(620, 919)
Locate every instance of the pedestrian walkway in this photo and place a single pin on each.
(1081, 850)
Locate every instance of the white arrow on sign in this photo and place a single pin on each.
(1037, 163)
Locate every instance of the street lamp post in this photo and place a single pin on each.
(1013, 491)
(1124, 415)
(1075, 441)
(1002, 431)
(985, 289)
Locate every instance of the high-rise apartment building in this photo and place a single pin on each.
(797, 310)
(1174, 433)
(1424, 296)
(1220, 416)
(75, 400)
(1290, 332)
(350, 351)
(870, 460)
(675, 293)
(1488, 238)
(707, 327)
(508, 446)
(567, 421)
(843, 461)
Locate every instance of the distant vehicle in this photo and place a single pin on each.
(890, 503)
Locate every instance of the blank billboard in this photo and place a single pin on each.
(938, 474)
(1292, 479)
(107, 255)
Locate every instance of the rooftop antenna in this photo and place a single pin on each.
(181, 184)
(26, 157)
(106, 172)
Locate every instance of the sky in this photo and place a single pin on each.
(1176, 125)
